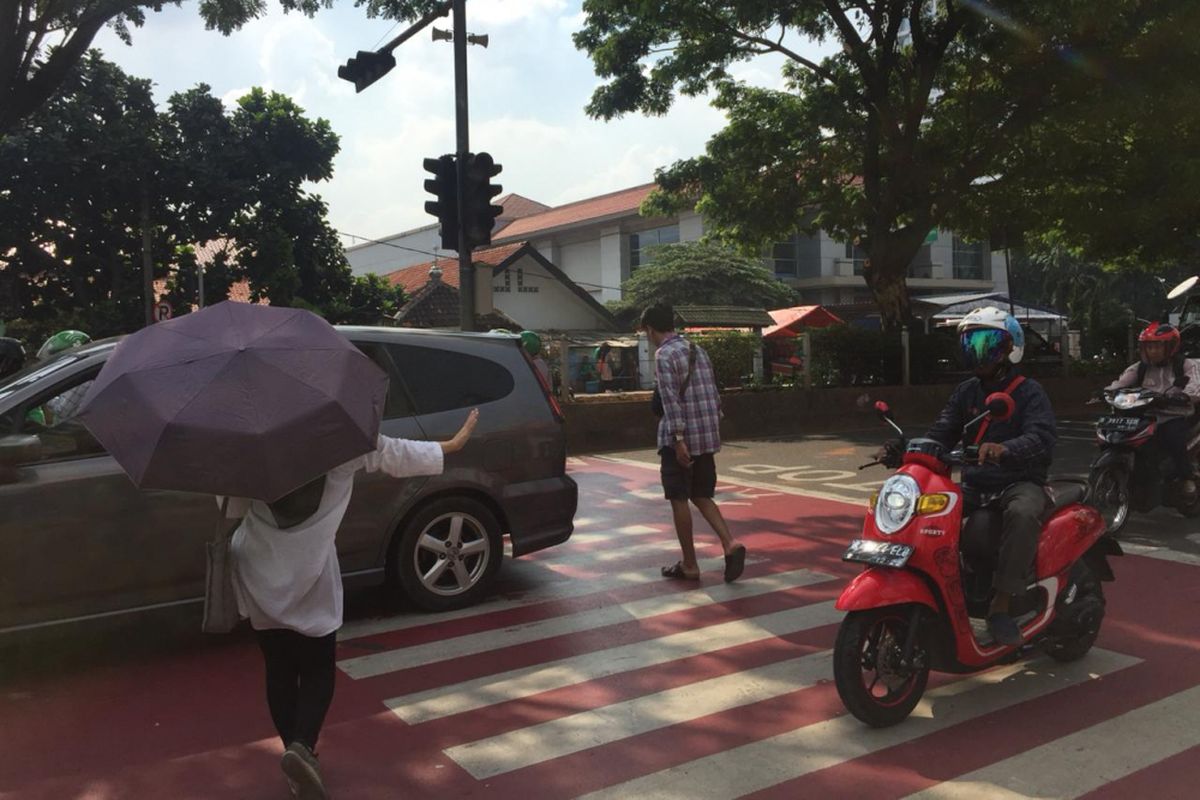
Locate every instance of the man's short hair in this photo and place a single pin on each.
(660, 317)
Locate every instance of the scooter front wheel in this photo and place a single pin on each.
(871, 680)
(1109, 494)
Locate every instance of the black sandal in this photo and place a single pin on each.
(735, 562)
(676, 572)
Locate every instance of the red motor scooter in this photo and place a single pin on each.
(921, 602)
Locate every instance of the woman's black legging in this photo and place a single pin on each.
(300, 676)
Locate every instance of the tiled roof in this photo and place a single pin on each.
(722, 317)
(516, 206)
(436, 305)
(414, 277)
(238, 292)
(205, 253)
(595, 208)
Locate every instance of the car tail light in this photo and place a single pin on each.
(546, 389)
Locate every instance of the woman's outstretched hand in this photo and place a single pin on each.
(464, 433)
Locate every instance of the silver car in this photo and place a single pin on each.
(78, 540)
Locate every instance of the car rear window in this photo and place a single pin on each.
(443, 380)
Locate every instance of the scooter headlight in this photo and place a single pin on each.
(1126, 401)
(897, 503)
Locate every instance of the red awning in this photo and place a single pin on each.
(790, 321)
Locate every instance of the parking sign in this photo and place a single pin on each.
(162, 310)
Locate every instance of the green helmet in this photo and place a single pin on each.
(531, 342)
(63, 340)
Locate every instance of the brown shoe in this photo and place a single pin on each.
(300, 766)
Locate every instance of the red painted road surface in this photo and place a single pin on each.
(583, 678)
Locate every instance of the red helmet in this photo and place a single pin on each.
(1162, 332)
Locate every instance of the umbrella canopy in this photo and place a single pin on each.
(235, 399)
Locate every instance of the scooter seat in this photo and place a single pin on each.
(1066, 493)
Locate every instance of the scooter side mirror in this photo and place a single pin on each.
(1000, 406)
(883, 410)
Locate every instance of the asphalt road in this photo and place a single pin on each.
(826, 465)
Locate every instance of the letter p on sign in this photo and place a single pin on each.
(162, 310)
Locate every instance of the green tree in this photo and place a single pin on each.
(370, 299)
(700, 274)
(75, 178)
(924, 118)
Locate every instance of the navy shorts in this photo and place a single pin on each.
(698, 480)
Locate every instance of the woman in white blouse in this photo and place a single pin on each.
(289, 585)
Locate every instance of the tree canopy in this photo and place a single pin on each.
(83, 177)
(696, 273)
(931, 114)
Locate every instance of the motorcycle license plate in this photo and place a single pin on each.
(880, 554)
(1121, 423)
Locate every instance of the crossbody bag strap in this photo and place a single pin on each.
(691, 366)
(224, 529)
(1008, 390)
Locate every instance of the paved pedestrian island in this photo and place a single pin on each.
(588, 675)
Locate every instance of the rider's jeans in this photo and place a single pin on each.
(1015, 518)
(1172, 437)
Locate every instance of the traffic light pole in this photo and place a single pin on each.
(466, 273)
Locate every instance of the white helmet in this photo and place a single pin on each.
(994, 318)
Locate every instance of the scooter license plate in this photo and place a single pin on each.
(1121, 423)
(880, 554)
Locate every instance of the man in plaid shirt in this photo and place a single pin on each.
(689, 434)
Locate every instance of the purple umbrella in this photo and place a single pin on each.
(235, 399)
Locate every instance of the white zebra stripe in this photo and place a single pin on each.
(557, 590)
(480, 693)
(1088, 759)
(791, 755)
(405, 658)
(533, 745)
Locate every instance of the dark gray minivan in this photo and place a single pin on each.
(79, 540)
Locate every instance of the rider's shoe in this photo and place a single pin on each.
(1187, 491)
(1004, 629)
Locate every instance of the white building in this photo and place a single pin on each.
(591, 246)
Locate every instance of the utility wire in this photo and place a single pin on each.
(448, 257)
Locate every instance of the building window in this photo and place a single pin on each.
(642, 240)
(858, 255)
(922, 264)
(968, 259)
(507, 287)
(798, 257)
(521, 287)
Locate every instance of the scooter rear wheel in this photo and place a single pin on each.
(1108, 493)
(866, 666)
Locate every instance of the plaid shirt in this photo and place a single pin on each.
(698, 415)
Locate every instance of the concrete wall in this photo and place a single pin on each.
(538, 300)
(594, 427)
(384, 257)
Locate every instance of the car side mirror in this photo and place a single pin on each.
(1000, 406)
(15, 450)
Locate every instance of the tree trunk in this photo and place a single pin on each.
(888, 286)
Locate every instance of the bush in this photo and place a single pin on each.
(845, 355)
(731, 354)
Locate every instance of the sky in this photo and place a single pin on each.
(527, 93)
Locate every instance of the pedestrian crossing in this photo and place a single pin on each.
(626, 685)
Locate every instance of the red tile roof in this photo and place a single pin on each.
(238, 292)
(516, 206)
(414, 277)
(594, 208)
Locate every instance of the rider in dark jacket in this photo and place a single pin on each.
(1005, 491)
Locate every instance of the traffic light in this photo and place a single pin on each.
(366, 68)
(480, 213)
(444, 186)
